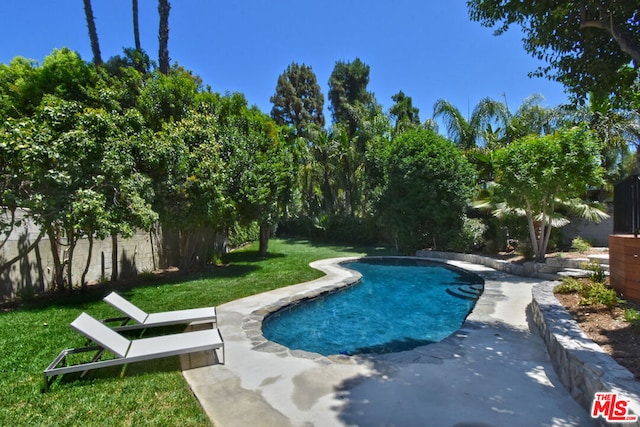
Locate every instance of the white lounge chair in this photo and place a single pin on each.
(148, 320)
(129, 351)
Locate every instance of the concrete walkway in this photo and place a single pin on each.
(495, 371)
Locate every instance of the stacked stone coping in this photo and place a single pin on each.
(252, 324)
(582, 366)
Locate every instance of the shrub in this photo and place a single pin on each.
(632, 316)
(597, 272)
(569, 285)
(598, 293)
(580, 245)
(470, 237)
(428, 186)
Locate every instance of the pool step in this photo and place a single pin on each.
(471, 292)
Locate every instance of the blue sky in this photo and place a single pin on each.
(429, 49)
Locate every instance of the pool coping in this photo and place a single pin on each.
(252, 324)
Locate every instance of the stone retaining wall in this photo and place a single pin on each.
(527, 269)
(582, 366)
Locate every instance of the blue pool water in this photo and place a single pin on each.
(398, 305)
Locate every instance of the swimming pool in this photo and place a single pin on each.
(398, 305)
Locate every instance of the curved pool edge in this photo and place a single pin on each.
(260, 318)
(267, 384)
(336, 277)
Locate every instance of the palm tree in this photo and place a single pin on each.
(93, 34)
(530, 119)
(163, 36)
(467, 134)
(136, 28)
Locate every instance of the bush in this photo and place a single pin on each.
(598, 273)
(241, 234)
(569, 285)
(592, 293)
(428, 185)
(470, 237)
(580, 245)
(598, 293)
(632, 316)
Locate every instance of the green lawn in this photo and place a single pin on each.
(151, 393)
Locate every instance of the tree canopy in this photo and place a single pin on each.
(348, 93)
(428, 186)
(298, 100)
(591, 46)
(537, 174)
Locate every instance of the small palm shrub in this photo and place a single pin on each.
(597, 272)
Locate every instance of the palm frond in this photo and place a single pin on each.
(590, 211)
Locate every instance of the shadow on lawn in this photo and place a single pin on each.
(236, 264)
(95, 292)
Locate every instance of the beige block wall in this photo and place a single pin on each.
(33, 273)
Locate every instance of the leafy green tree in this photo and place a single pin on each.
(20, 91)
(535, 174)
(261, 171)
(428, 185)
(404, 113)
(186, 164)
(167, 98)
(589, 45)
(298, 100)
(17, 151)
(65, 75)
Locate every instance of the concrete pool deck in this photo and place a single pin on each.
(494, 371)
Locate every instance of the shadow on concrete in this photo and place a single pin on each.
(484, 374)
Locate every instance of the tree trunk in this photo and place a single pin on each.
(114, 257)
(93, 34)
(83, 280)
(58, 273)
(136, 28)
(265, 232)
(71, 240)
(163, 37)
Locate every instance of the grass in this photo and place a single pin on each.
(150, 393)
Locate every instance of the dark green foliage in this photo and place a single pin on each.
(298, 100)
(428, 185)
(348, 93)
(404, 113)
(588, 45)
